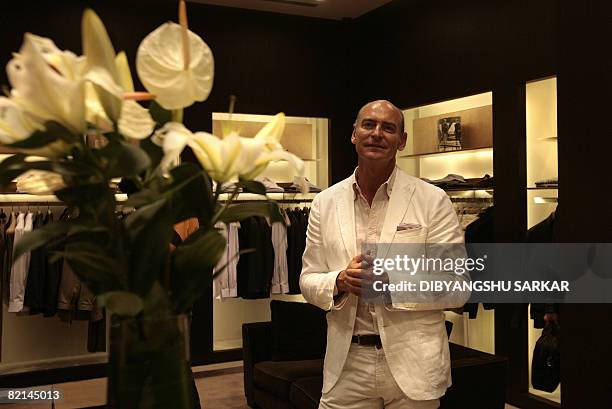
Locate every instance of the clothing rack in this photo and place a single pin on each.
(40, 200)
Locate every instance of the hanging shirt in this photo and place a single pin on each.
(19, 271)
(225, 283)
(280, 278)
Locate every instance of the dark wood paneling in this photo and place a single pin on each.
(585, 145)
(271, 62)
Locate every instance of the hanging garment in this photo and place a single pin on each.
(480, 230)
(19, 271)
(75, 301)
(547, 231)
(297, 245)
(7, 262)
(255, 269)
(225, 283)
(280, 278)
(546, 363)
(37, 272)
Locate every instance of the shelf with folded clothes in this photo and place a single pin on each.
(445, 153)
(454, 182)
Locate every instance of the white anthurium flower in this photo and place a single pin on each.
(39, 182)
(47, 83)
(160, 63)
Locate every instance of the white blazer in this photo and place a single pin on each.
(413, 336)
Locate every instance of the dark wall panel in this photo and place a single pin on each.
(271, 62)
(421, 51)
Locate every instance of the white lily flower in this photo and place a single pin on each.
(15, 124)
(160, 63)
(172, 137)
(47, 83)
(101, 66)
(231, 157)
(39, 182)
(109, 78)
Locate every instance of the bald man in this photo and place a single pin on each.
(382, 354)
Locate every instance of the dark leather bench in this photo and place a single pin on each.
(479, 378)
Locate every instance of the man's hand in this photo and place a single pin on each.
(357, 276)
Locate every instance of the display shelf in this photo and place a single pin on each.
(542, 188)
(542, 164)
(306, 138)
(468, 189)
(420, 159)
(459, 151)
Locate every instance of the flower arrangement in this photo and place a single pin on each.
(58, 97)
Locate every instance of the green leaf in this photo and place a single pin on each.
(53, 131)
(155, 152)
(39, 237)
(121, 303)
(159, 114)
(252, 186)
(94, 265)
(193, 262)
(236, 212)
(150, 231)
(189, 193)
(93, 199)
(156, 302)
(124, 159)
(235, 256)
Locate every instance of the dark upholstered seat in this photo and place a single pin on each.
(276, 377)
(306, 392)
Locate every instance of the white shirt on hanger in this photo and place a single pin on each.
(280, 278)
(225, 284)
(19, 270)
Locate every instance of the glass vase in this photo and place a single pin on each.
(149, 363)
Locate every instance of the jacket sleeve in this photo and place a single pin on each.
(316, 281)
(445, 240)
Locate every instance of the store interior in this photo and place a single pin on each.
(528, 80)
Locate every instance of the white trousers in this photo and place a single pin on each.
(367, 383)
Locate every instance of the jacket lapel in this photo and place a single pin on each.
(400, 200)
(346, 218)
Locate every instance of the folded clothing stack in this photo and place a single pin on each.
(454, 181)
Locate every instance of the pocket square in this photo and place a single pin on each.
(408, 226)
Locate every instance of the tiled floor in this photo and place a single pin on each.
(220, 387)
